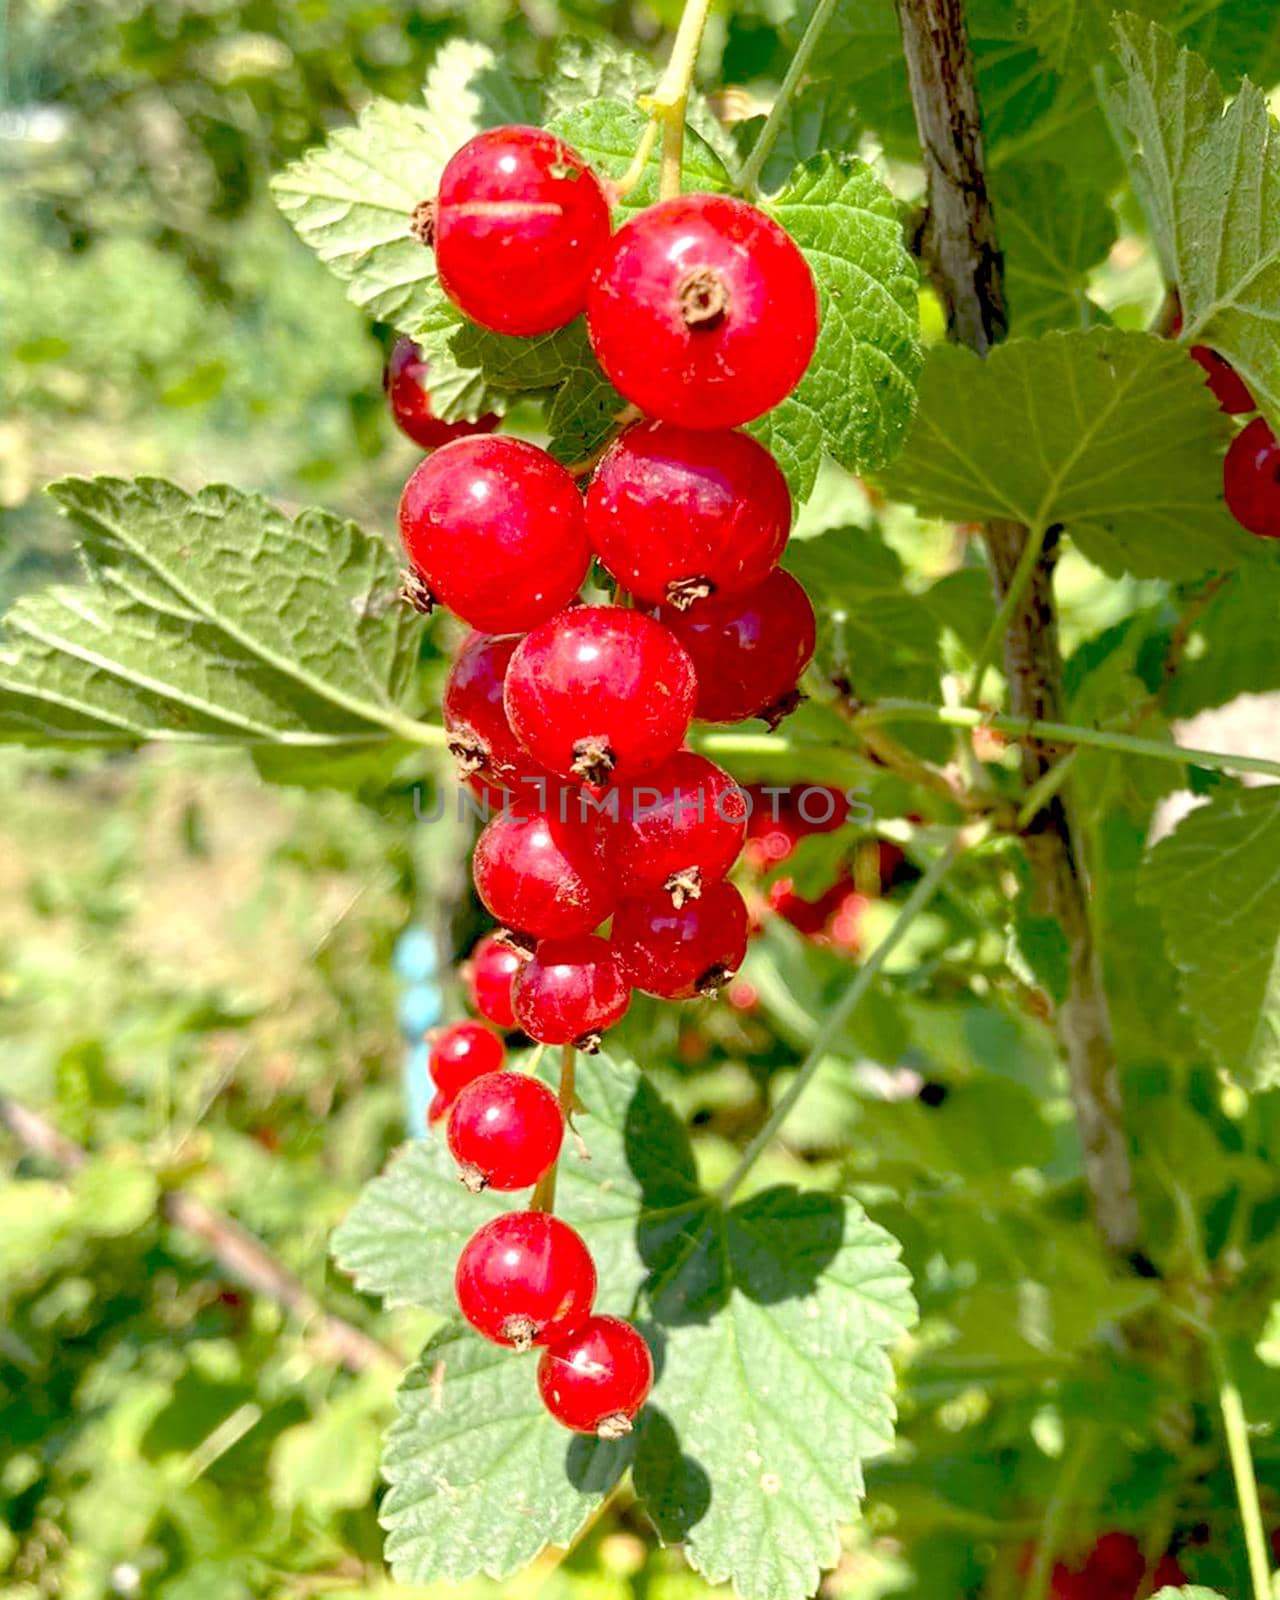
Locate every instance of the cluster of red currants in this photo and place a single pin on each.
(571, 718)
(526, 1277)
(1251, 472)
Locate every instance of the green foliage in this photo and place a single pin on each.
(1216, 878)
(1205, 172)
(1109, 435)
(210, 618)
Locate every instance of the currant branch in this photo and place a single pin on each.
(960, 243)
(669, 101)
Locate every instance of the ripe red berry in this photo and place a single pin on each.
(480, 737)
(489, 974)
(544, 873)
(570, 992)
(748, 650)
(1229, 388)
(702, 311)
(505, 1131)
(405, 380)
(1251, 477)
(525, 1278)
(677, 514)
(600, 694)
(596, 1380)
(461, 1053)
(517, 224)
(679, 830)
(438, 1108)
(679, 954)
(495, 530)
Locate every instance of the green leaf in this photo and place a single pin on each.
(802, 1288)
(1053, 229)
(857, 398)
(604, 69)
(1209, 181)
(1233, 639)
(606, 133)
(776, 1319)
(210, 618)
(1113, 435)
(1216, 885)
(482, 1477)
(883, 640)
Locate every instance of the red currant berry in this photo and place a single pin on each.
(599, 694)
(525, 1278)
(1251, 477)
(679, 954)
(544, 873)
(517, 224)
(679, 831)
(505, 1131)
(1229, 388)
(702, 311)
(480, 736)
(570, 992)
(438, 1108)
(748, 650)
(489, 975)
(677, 514)
(495, 530)
(405, 380)
(596, 1380)
(461, 1053)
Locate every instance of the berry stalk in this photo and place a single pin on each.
(544, 1196)
(670, 99)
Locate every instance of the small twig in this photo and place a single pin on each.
(753, 166)
(669, 100)
(840, 1012)
(1236, 1427)
(235, 1250)
(544, 1195)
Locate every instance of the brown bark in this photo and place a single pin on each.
(960, 244)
